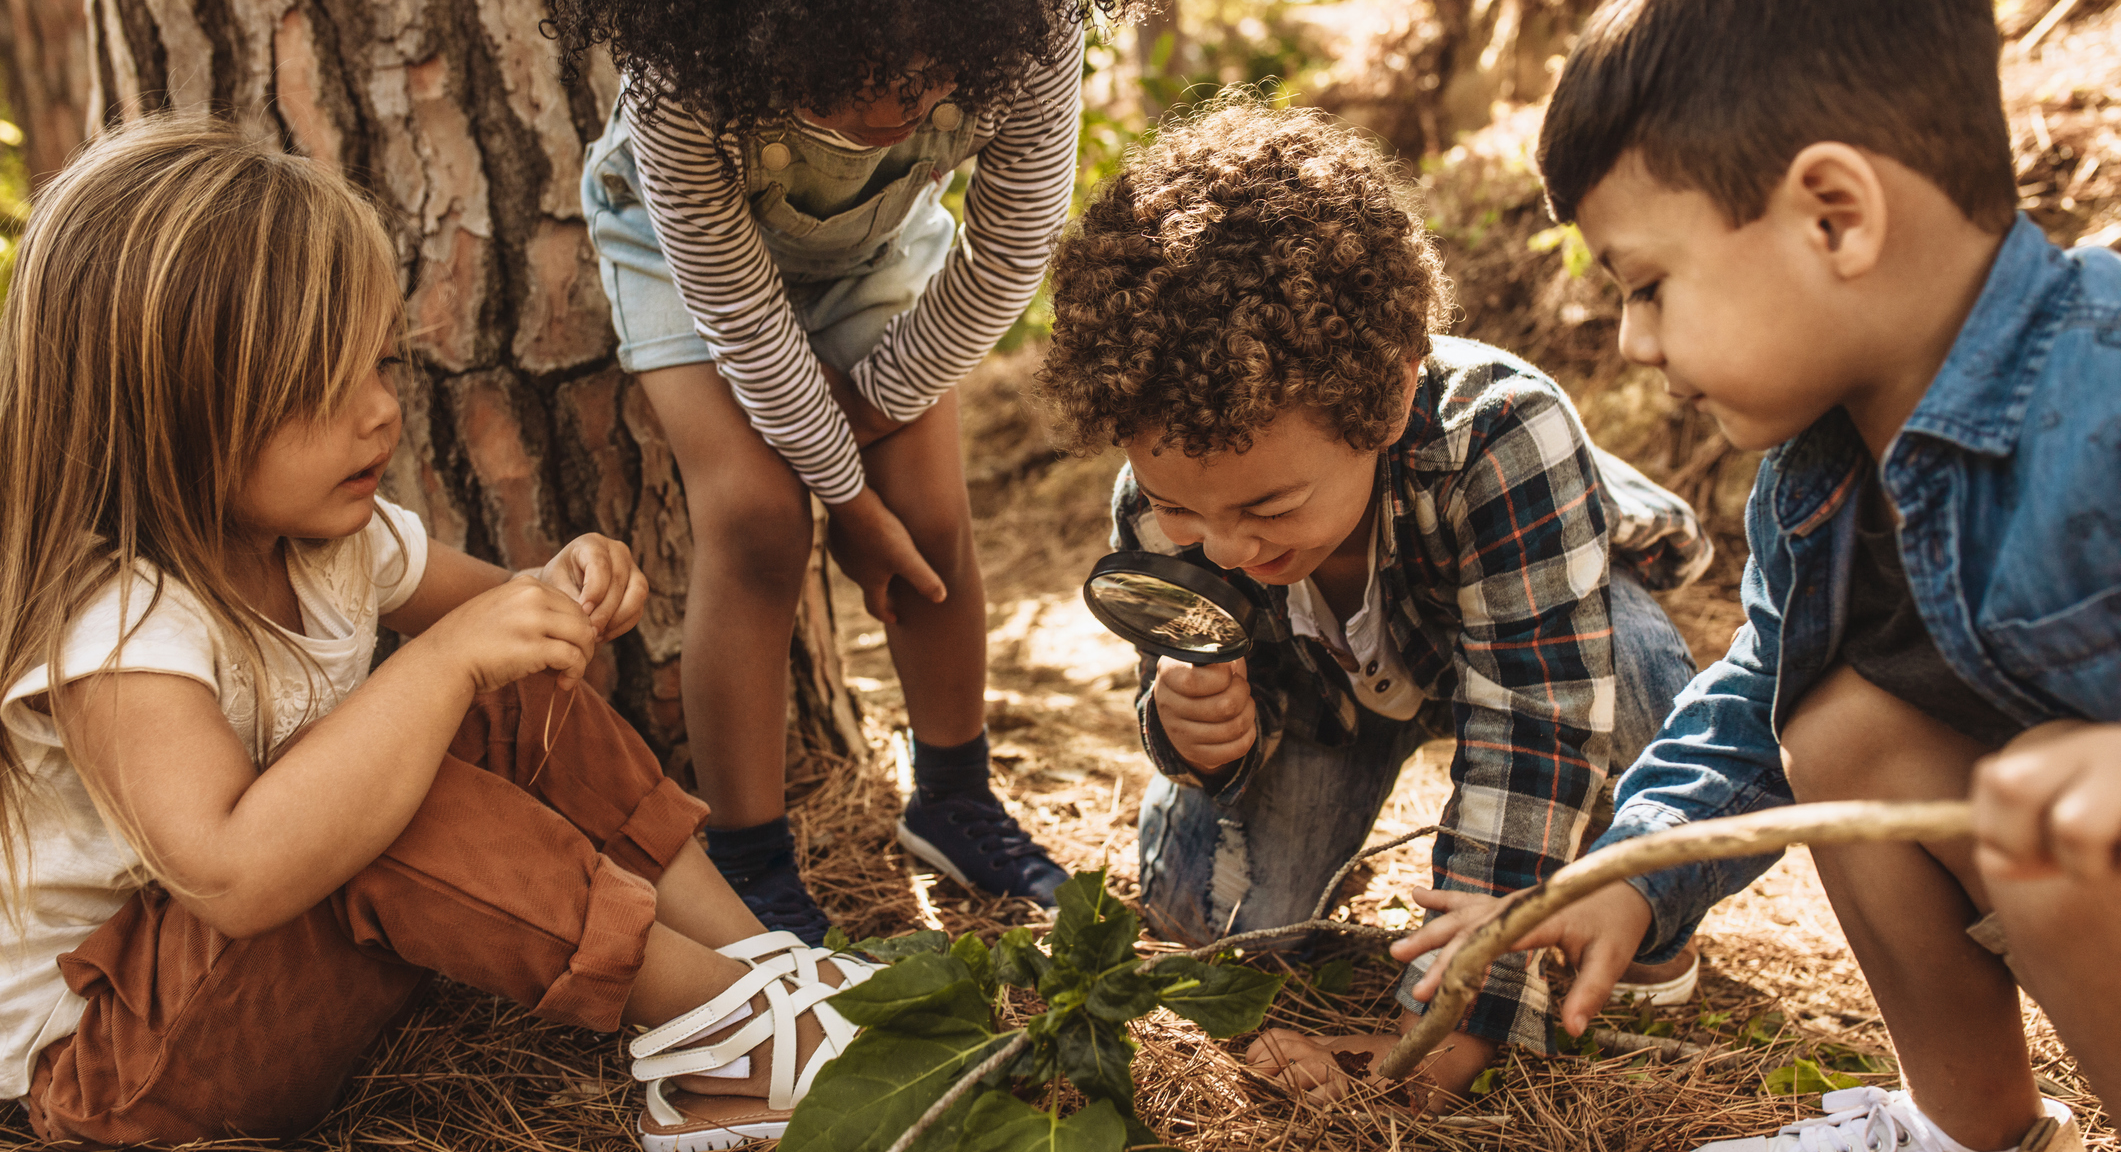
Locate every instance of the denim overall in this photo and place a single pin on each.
(856, 233)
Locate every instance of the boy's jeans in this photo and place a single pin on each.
(1208, 871)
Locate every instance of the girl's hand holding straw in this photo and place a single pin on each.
(601, 576)
(518, 629)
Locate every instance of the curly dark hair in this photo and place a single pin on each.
(1248, 261)
(738, 63)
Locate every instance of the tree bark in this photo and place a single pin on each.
(46, 58)
(520, 429)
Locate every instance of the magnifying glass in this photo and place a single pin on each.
(1170, 607)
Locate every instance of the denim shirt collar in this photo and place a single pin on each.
(1977, 400)
(1979, 397)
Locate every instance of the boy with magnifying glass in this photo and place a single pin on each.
(1432, 545)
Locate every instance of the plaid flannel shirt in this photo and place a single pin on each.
(1494, 577)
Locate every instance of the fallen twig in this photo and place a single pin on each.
(1842, 822)
(1665, 1048)
(1317, 922)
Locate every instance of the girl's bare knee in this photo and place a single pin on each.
(763, 539)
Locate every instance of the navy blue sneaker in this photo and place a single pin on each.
(775, 894)
(969, 837)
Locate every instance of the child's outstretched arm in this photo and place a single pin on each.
(247, 849)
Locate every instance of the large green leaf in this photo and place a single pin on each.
(977, 960)
(1101, 945)
(1002, 1123)
(1122, 994)
(1082, 902)
(893, 948)
(1096, 1057)
(919, 994)
(871, 1093)
(1018, 961)
(1223, 999)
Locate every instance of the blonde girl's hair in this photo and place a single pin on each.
(180, 293)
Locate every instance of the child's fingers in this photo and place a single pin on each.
(631, 603)
(2085, 826)
(2011, 797)
(1424, 989)
(876, 597)
(1197, 681)
(595, 582)
(1438, 932)
(1217, 753)
(1598, 968)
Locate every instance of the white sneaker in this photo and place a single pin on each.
(1871, 1119)
(1661, 993)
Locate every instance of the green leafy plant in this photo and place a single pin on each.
(1805, 1078)
(931, 1049)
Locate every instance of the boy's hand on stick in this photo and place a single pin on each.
(1600, 935)
(2050, 803)
(873, 547)
(521, 628)
(1206, 710)
(599, 573)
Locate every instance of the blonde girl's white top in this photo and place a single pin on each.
(79, 871)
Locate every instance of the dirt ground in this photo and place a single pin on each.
(1779, 984)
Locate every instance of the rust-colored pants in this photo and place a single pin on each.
(531, 883)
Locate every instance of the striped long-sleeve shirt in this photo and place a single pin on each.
(1014, 208)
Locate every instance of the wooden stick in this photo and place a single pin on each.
(2047, 24)
(1667, 1049)
(964, 1084)
(1842, 822)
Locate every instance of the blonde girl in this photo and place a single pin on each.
(233, 855)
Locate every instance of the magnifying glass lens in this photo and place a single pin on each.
(1170, 614)
(1169, 606)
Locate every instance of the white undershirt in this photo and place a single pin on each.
(1363, 646)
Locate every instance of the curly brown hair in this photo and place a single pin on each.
(1248, 261)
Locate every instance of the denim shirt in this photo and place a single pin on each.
(2008, 479)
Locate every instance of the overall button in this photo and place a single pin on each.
(946, 117)
(1371, 669)
(775, 156)
(1384, 685)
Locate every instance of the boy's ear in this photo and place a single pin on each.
(1833, 194)
(1406, 400)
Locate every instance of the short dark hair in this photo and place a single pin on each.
(1720, 96)
(1249, 260)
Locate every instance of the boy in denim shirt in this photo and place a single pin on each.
(1432, 545)
(1809, 206)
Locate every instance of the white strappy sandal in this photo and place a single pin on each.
(785, 971)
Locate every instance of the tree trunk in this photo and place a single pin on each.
(45, 45)
(520, 431)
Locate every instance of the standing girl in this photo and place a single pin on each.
(798, 305)
(233, 856)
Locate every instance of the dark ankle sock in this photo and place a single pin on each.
(953, 771)
(743, 852)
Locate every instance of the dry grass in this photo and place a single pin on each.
(472, 1074)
